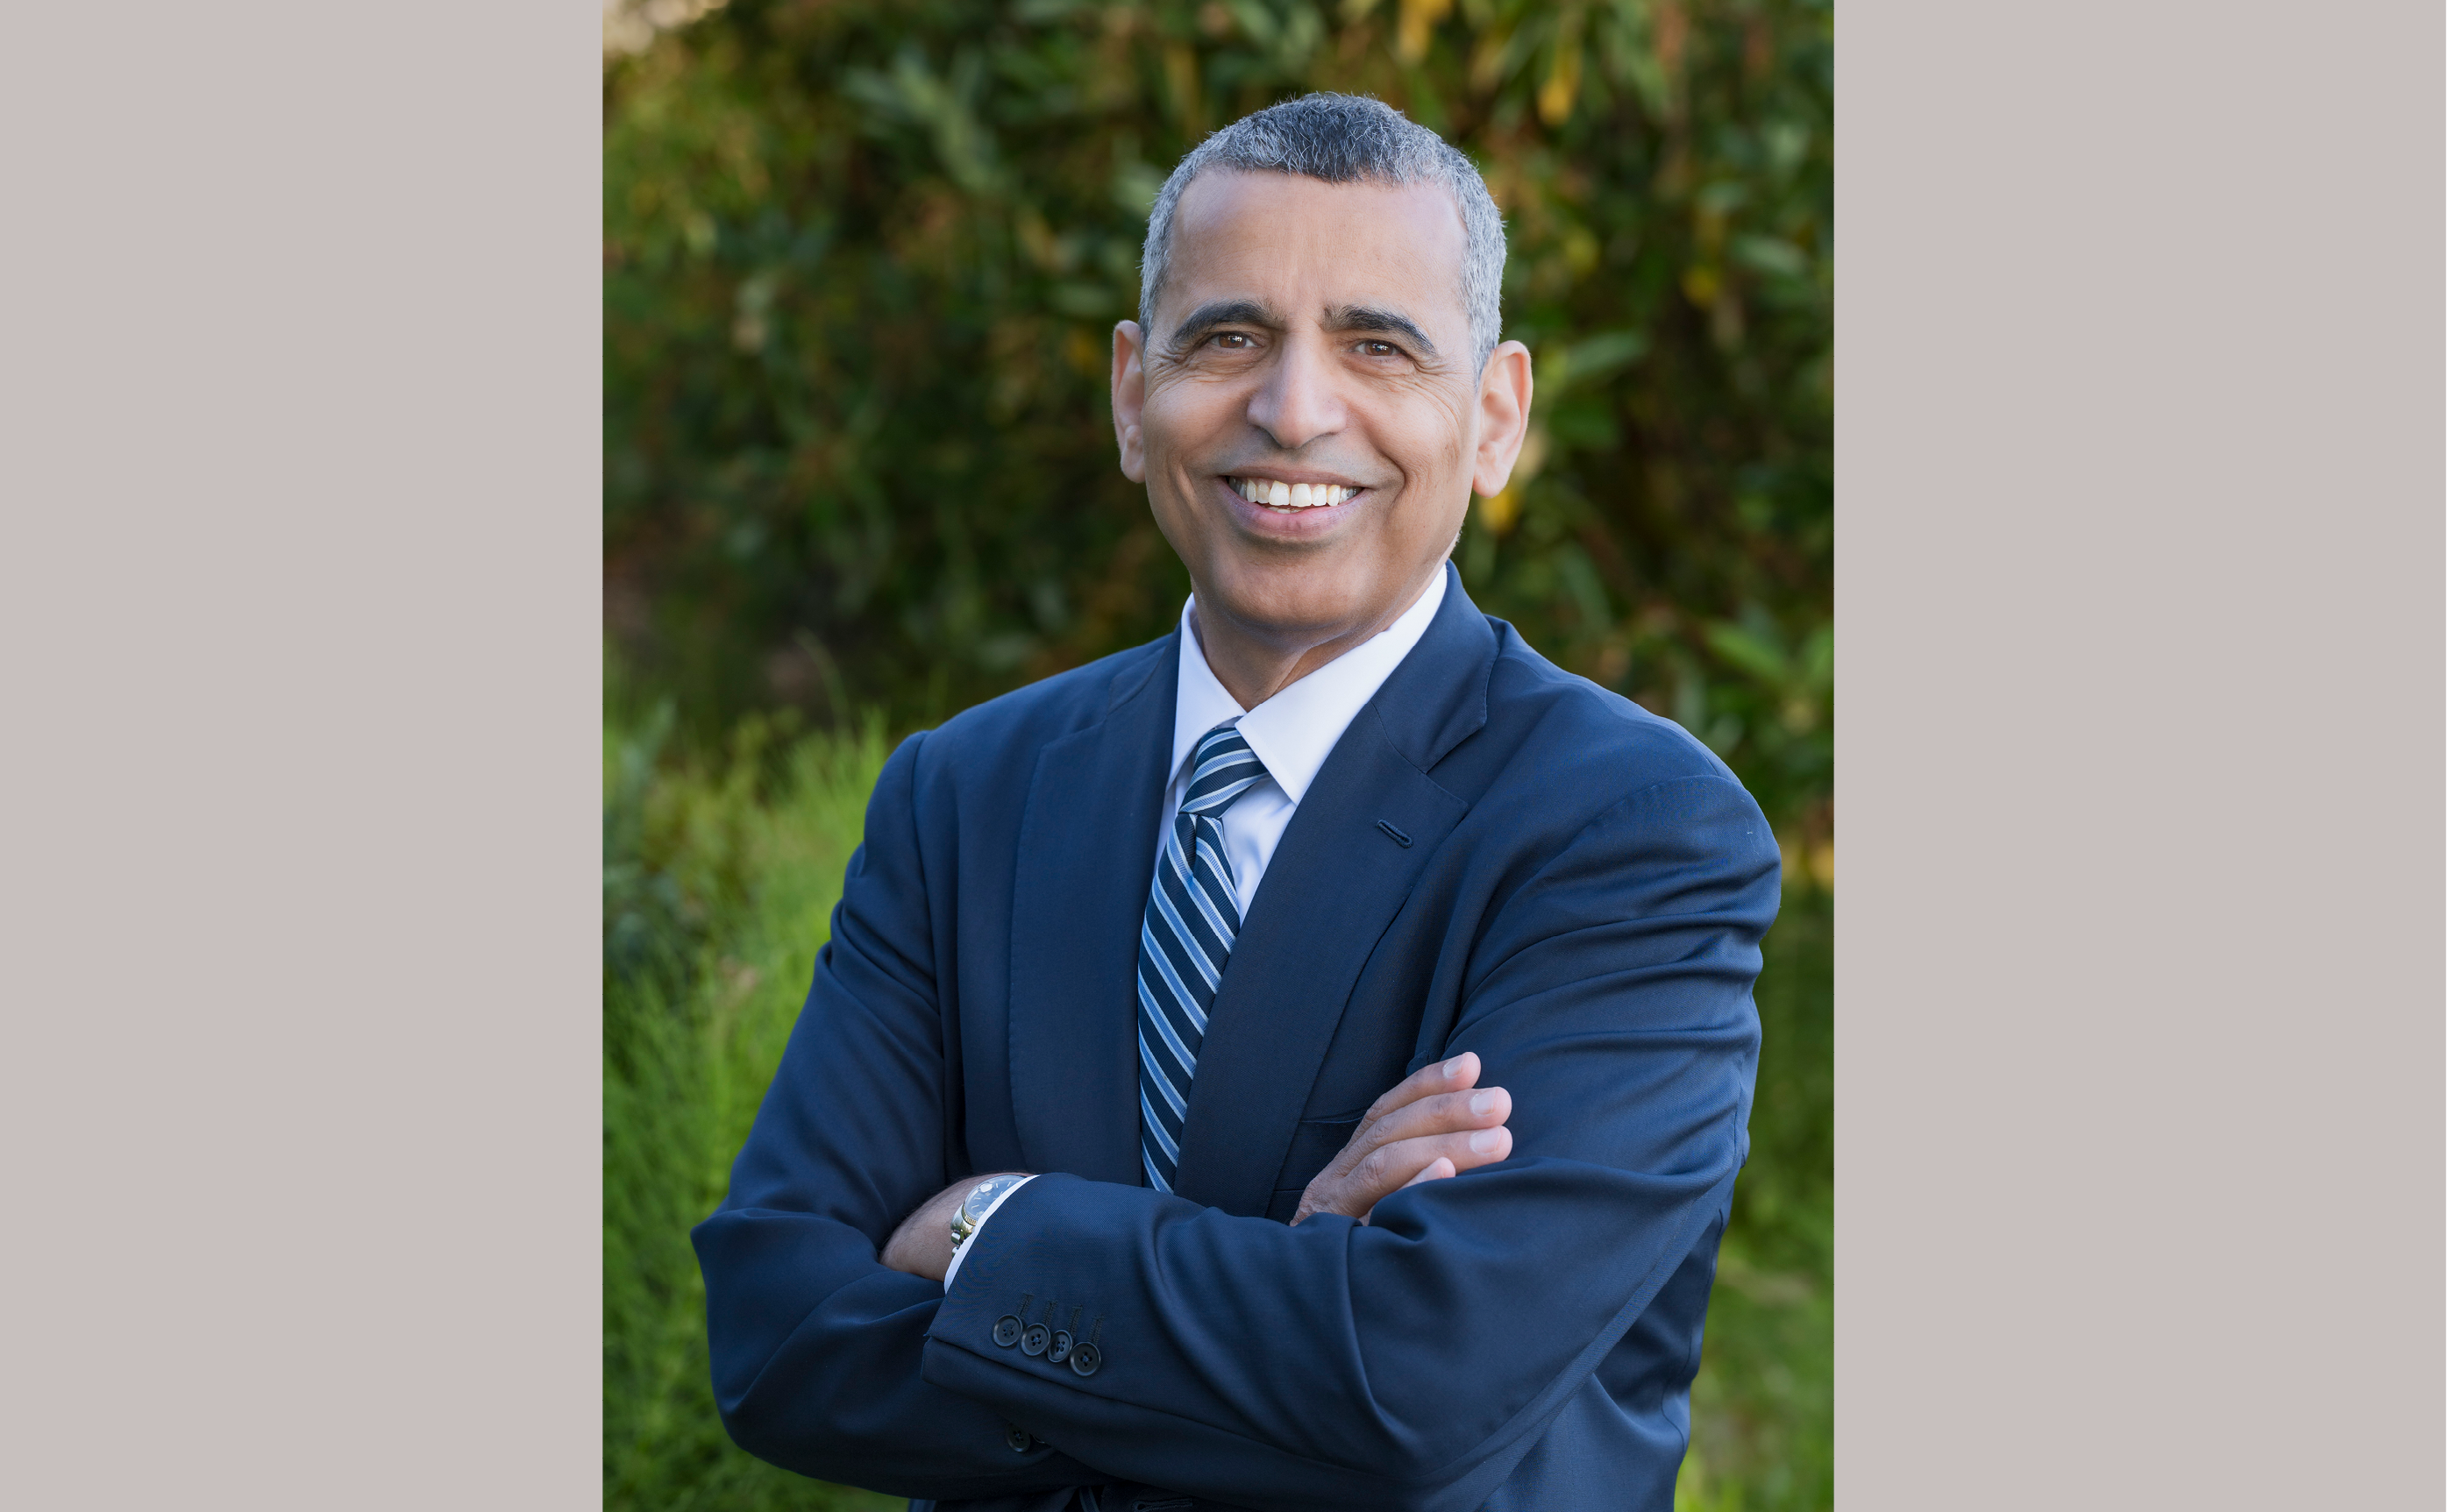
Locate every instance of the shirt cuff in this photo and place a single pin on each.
(984, 1218)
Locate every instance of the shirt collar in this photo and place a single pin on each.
(1295, 730)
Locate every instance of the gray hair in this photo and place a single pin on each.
(1344, 138)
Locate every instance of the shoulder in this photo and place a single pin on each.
(1562, 766)
(1002, 735)
(1546, 726)
(1568, 775)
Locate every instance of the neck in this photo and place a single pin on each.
(1255, 661)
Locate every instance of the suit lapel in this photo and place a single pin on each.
(1087, 853)
(1336, 882)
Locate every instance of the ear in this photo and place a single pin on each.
(1503, 417)
(1129, 397)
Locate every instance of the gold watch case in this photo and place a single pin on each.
(972, 1208)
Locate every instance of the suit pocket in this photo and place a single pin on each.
(1314, 1142)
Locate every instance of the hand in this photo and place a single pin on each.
(922, 1244)
(1430, 1127)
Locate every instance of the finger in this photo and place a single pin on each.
(1466, 1151)
(1455, 1074)
(1445, 1114)
(1391, 1167)
(1446, 1078)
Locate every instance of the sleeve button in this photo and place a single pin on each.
(1085, 1358)
(1007, 1329)
(1019, 1440)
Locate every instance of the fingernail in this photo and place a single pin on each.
(1485, 1140)
(1481, 1102)
(1456, 1067)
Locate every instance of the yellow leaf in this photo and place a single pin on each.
(1086, 355)
(1419, 18)
(1498, 511)
(1532, 458)
(1563, 83)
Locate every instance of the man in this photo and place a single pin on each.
(1301, 1063)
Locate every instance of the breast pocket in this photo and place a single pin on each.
(1316, 1142)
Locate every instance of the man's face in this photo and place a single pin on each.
(1310, 339)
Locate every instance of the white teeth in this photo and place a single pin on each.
(1291, 496)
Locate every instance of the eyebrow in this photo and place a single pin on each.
(1223, 313)
(1336, 317)
(1369, 317)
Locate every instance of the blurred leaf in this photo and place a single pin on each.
(1588, 361)
(1750, 651)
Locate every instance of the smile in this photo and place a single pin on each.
(1277, 495)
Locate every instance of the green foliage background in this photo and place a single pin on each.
(861, 261)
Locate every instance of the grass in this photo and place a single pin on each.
(720, 873)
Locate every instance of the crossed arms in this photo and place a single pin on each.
(1436, 1123)
(1406, 1361)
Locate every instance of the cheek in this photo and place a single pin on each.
(1436, 444)
(1182, 412)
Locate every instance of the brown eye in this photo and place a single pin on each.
(1231, 340)
(1378, 349)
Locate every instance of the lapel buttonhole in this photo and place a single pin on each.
(1395, 834)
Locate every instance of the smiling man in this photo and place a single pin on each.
(1301, 1063)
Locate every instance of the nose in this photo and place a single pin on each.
(1297, 399)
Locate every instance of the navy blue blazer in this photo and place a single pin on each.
(1498, 857)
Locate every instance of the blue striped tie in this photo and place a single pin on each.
(1192, 921)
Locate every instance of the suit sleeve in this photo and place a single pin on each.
(817, 1345)
(1408, 1362)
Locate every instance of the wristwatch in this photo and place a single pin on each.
(972, 1210)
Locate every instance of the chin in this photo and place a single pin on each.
(1303, 593)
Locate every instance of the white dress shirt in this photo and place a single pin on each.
(1293, 732)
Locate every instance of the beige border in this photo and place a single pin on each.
(298, 637)
(2140, 1009)
(2140, 993)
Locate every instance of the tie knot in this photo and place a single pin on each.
(1221, 769)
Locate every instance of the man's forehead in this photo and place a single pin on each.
(1305, 249)
(1226, 181)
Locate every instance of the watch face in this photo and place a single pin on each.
(973, 1206)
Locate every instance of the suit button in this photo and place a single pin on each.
(1006, 1331)
(1019, 1440)
(1034, 1337)
(1060, 1350)
(1085, 1358)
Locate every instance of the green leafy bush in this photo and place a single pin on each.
(862, 258)
(719, 879)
